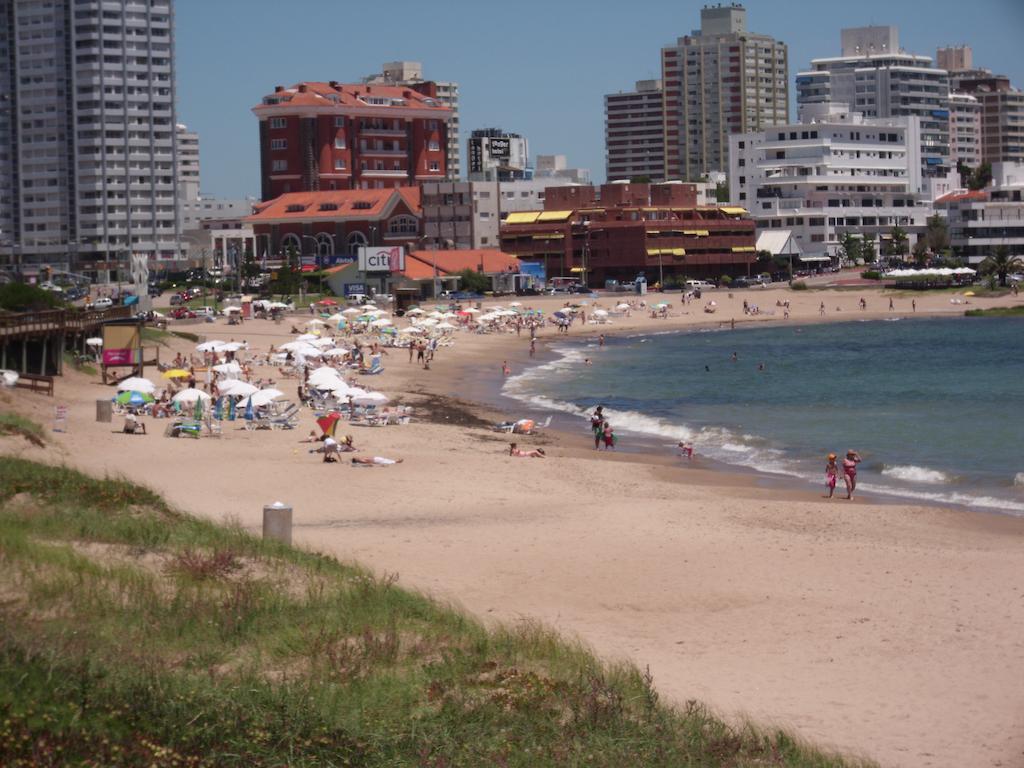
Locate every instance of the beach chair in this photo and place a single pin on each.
(287, 419)
(375, 366)
(183, 428)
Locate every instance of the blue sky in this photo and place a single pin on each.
(536, 68)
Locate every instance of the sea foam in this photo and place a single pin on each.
(912, 474)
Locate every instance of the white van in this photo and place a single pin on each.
(699, 285)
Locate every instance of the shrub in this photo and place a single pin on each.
(725, 281)
(871, 274)
(19, 297)
(799, 285)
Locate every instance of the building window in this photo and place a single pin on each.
(435, 166)
(433, 146)
(339, 142)
(279, 122)
(339, 164)
(279, 165)
(279, 143)
(339, 122)
(403, 225)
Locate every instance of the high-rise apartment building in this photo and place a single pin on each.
(876, 78)
(964, 129)
(634, 133)
(719, 80)
(557, 167)
(496, 155)
(410, 74)
(1002, 116)
(334, 136)
(88, 173)
(188, 163)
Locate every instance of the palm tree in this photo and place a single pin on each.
(1001, 263)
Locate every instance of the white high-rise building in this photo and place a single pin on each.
(495, 155)
(878, 79)
(964, 129)
(188, 163)
(88, 169)
(410, 73)
(836, 171)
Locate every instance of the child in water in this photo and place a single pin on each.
(831, 474)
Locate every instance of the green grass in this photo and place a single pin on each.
(1017, 311)
(136, 635)
(155, 335)
(87, 368)
(13, 424)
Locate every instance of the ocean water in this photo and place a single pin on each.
(934, 406)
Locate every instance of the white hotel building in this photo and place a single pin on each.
(832, 173)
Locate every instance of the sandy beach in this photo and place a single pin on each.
(890, 631)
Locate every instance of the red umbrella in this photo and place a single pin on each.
(329, 423)
(328, 302)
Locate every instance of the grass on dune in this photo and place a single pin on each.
(132, 634)
(1017, 311)
(13, 424)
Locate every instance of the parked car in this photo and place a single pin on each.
(101, 303)
(699, 285)
(182, 313)
(204, 312)
(743, 282)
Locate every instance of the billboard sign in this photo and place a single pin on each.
(376, 259)
(500, 149)
(355, 289)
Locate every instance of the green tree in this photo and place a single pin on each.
(920, 252)
(936, 234)
(21, 297)
(1001, 263)
(850, 245)
(722, 192)
(475, 282)
(867, 251)
(980, 177)
(640, 180)
(899, 243)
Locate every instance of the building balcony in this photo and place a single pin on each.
(392, 174)
(381, 131)
(383, 152)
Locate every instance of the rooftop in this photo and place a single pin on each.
(419, 265)
(335, 204)
(351, 95)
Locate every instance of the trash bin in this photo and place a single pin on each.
(104, 410)
(696, 293)
(277, 522)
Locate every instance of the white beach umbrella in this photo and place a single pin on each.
(137, 384)
(351, 311)
(316, 321)
(435, 315)
(515, 303)
(416, 311)
(412, 329)
(94, 342)
(600, 313)
(337, 317)
(231, 346)
(236, 388)
(380, 322)
(263, 397)
(277, 305)
(190, 395)
(231, 310)
(372, 398)
(355, 392)
(231, 368)
(291, 346)
(472, 310)
(335, 352)
(445, 326)
(209, 346)
(368, 305)
(449, 315)
(322, 343)
(622, 306)
(338, 387)
(306, 337)
(428, 321)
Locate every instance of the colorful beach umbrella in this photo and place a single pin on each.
(134, 398)
(329, 423)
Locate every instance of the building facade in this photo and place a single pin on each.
(1002, 116)
(410, 73)
(634, 133)
(495, 155)
(526, 195)
(330, 226)
(983, 220)
(719, 80)
(88, 169)
(876, 78)
(459, 214)
(833, 173)
(557, 167)
(333, 136)
(624, 230)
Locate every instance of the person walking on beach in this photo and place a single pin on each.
(850, 471)
(831, 475)
(890, 304)
(609, 436)
(600, 341)
(533, 347)
(821, 309)
(597, 427)
(505, 370)
(412, 349)
(913, 305)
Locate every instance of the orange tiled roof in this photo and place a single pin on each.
(419, 265)
(317, 94)
(955, 197)
(335, 204)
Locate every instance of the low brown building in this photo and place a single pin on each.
(625, 229)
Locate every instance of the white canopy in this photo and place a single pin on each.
(190, 395)
(209, 346)
(137, 384)
(236, 388)
(262, 397)
(445, 326)
(94, 342)
(232, 368)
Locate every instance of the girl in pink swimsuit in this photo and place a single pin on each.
(850, 471)
(831, 474)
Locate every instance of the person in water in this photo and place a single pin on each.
(850, 471)
(831, 474)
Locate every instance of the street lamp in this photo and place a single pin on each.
(319, 263)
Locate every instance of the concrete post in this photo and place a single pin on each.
(104, 410)
(277, 522)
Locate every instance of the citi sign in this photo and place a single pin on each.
(382, 259)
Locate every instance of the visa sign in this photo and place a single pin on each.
(381, 259)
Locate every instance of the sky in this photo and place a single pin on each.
(539, 68)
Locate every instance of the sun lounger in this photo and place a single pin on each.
(183, 428)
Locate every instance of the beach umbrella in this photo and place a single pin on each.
(429, 321)
(231, 310)
(472, 310)
(291, 346)
(371, 398)
(412, 329)
(449, 315)
(229, 369)
(315, 321)
(137, 384)
(277, 305)
(328, 423)
(622, 306)
(415, 311)
(562, 315)
(327, 302)
(236, 388)
(445, 326)
(307, 337)
(515, 303)
(369, 305)
(324, 341)
(94, 342)
(134, 398)
(381, 322)
(230, 346)
(600, 313)
(351, 311)
(263, 397)
(335, 352)
(176, 373)
(436, 315)
(968, 293)
(209, 346)
(355, 392)
(190, 395)
(337, 317)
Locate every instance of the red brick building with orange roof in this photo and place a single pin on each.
(332, 136)
(329, 227)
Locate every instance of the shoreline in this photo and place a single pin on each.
(878, 629)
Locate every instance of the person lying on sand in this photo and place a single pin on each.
(513, 450)
(372, 460)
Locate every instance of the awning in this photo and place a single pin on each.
(550, 236)
(743, 249)
(554, 216)
(522, 217)
(666, 251)
(697, 232)
(815, 258)
(734, 211)
(577, 269)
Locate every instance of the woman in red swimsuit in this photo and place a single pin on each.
(850, 471)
